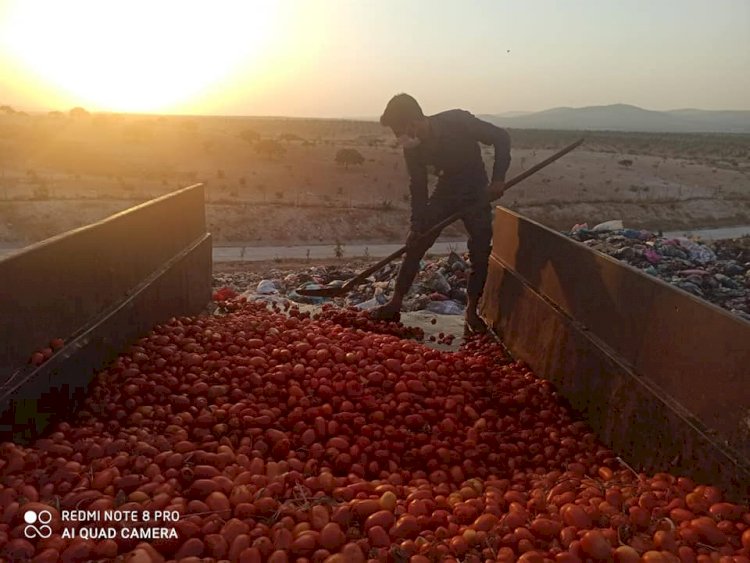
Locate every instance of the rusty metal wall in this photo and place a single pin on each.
(98, 287)
(661, 375)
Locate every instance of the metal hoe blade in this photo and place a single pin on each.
(324, 291)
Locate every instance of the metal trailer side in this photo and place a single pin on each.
(662, 376)
(99, 287)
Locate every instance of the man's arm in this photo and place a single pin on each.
(489, 134)
(417, 188)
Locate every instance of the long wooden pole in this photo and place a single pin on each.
(359, 278)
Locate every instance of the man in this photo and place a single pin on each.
(448, 141)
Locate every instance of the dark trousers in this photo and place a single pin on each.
(445, 201)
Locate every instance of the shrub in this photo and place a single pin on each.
(78, 112)
(249, 135)
(270, 148)
(338, 250)
(349, 156)
(41, 192)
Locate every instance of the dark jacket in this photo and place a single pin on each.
(454, 152)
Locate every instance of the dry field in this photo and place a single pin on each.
(58, 172)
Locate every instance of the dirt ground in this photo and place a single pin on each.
(60, 172)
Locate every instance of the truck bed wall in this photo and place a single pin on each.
(660, 375)
(99, 287)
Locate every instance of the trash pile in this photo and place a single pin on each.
(440, 286)
(717, 271)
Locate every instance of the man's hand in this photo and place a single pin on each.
(496, 189)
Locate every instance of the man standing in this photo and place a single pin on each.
(448, 141)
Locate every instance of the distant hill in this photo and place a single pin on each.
(513, 113)
(623, 117)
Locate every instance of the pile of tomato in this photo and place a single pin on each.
(280, 436)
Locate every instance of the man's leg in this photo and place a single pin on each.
(406, 274)
(438, 209)
(478, 223)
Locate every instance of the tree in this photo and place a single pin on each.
(349, 156)
(338, 250)
(269, 148)
(78, 112)
(249, 135)
(7, 109)
(290, 137)
(41, 192)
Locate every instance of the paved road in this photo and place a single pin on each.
(257, 253)
(245, 252)
(231, 252)
(252, 253)
(712, 234)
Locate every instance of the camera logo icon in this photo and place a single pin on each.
(37, 524)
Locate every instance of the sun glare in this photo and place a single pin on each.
(138, 55)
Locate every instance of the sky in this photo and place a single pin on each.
(346, 58)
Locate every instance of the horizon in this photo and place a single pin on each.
(344, 60)
(374, 118)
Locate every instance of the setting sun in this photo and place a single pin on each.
(139, 56)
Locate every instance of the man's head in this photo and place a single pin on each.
(405, 118)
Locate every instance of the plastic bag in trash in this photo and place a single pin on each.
(449, 307)
(459, 295)
(652, 256)
(614, 225)
(266, 287)
(437, 282)
(372, 303)
(697, 252)
(270, 299)
(251, 295)
(455, 262)
(633, 234)
(416, 303)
